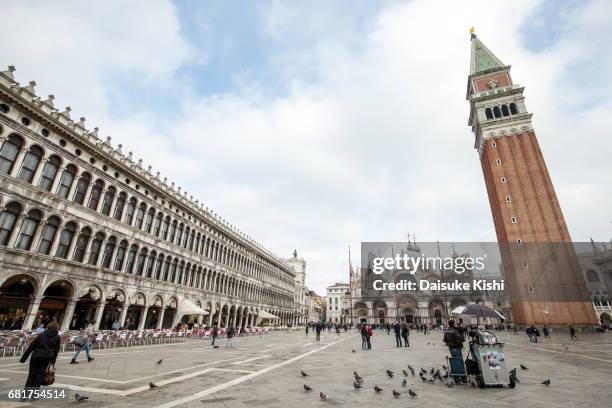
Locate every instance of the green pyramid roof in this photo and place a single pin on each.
(482, 59)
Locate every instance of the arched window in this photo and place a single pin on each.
(166, 225)
(49, 172)
(181, 272)
(593, 276)
(129, 213)
(28, 229)
(109, 249)
(167, 269)
(7, 221)
(513, 109)
(141, 261)
(150, 262)
(158, 267)
(185, 238)
(173, 274)
(119, 206)
(96, 193)
(505, 111)
(8, 153)
(66, 181)
(65, 240)
(496, 112)
(172, 231)
(81, 188)
(48, 235)
(191, 239)
(131, 258)
(96, 247)
(140, 215)
(489, 113)
(107, 202)
(157, 225)
(120, 255)
(149, 220)
(30, 164)
(179, 234)
(81, 245)
(197, 243)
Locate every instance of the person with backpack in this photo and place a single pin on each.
(405, 335)
(44, 349)
(454, 340)
(370, 333)
(214, 333)
(230, 337)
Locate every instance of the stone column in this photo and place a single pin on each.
(38, 172)
(18, 162)
(68, 315)
(102, 250)
(160, 318)
(210, 316)
(99, 314)
(30, 317)
(124, 310)
(16, 230)
(56, 180)
(37, 234)
(72, 189)
(88, 193)
(143, 317)
(234, 320)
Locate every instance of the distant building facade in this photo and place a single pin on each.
(89, 234)
(338, 306)
(597, 270)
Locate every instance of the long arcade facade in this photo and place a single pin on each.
(88, 234)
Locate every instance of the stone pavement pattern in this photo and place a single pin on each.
(265, 372)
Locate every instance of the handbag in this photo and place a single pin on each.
(49, 377)
(78, 341)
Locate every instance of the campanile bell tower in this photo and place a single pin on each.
(543, 277)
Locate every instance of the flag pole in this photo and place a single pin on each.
(350, 283)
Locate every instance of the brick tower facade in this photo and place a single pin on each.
(543, 277)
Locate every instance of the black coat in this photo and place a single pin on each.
(45, 346)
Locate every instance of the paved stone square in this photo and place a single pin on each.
(264, 371)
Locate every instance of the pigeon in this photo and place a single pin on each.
(431, 380)
(423, 371)
(357, 377)
(307, 388)
(322, 396)
(546, 382)
(431, 372)
(390, 373)
(377, 389)
(410, 367)
(404, 382)
(80, 397)
(359, 381)
(444, 367)
(353, 351)
(160, 361)
(151, 385)
(423, 378)
(396, 394)
(356, 385)
(412, 393)
(303, 374)
(523, 367)
(428, 343)
(411, 370)
(405, 372)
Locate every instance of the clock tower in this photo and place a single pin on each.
(543, 278)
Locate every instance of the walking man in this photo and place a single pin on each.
(86, 338)
(318, 331)
(369, 337)
(214, 333)
(364, 337)
(546, 332)
(397, 331)
(405, 334)
(572, 333)
(229, 337)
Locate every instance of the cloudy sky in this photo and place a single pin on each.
(318, 125)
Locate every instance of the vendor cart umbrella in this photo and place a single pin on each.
(478, 310)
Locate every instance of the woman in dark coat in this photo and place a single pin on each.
(44, 349)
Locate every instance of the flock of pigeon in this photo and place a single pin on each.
(434, 375)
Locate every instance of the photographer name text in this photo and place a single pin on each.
(423, 284)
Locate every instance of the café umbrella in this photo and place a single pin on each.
(478, 310)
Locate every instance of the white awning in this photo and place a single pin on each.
(189, 308)
(262, 314)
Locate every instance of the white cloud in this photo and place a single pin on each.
(371, 140)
